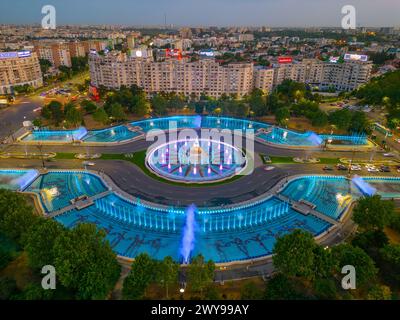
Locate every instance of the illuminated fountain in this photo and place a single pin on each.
(196, 160)
(314, 138)
(188, 237)
(26, 179)
(364, 186)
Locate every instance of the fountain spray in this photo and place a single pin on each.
(188, 238)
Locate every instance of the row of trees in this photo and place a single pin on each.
(307, 270)
(57, 113)
(86, 267)
(146, 271)
(384, 91)
(289, 99)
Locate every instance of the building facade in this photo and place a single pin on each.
(345, 76)
(180, 76)
(17, 69)
(206, 76)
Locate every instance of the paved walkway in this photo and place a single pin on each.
(75, 205)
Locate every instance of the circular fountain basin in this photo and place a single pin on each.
(196, 160)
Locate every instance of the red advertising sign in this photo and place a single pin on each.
(282, 60)
(173, 53)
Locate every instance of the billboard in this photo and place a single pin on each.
(283, 60)
(206, 53)
(334, 59)
(355, 57)
(18, 54)
(173, 53)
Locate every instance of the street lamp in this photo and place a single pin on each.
(181, 291)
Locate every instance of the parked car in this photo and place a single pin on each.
(341, 167)
(372, 169)
(327, 168)
(88, 163)
(384, 169)
(388, 154)
(355, 167)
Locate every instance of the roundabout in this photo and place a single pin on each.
(196, 160)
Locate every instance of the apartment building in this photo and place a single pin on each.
(180, 76)
(207, 76)
(264, 78)
(17, 69)
(58, 53)
(346, 76)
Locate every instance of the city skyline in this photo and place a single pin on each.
(286, 13)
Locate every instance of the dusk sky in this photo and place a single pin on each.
(289, 13)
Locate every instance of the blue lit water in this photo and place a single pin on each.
(196, 160)
(330, 194)
(121, 133)
(224, 234)
(56, 135)
(114, 134)
(221, 246)
(16, 180)
(56, 189)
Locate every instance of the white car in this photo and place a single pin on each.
(355, 167)
(372, 169)
(388, 155)
(269, 168)
(88, 163)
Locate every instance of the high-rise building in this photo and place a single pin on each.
(56, 52)
(345, 76)
(17, 69)
(172, 75)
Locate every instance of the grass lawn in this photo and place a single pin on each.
(289, 160)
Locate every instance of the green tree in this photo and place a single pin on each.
(159, 104)
(280, 287)
(294, 254)
(371, 241)
(140, 106)
(200, 273)
(168, 273)
(324, 263)
(8, 288)
(379, 292)
(346, 254)
(45, 65)
(373, 213)
(34, 291)
(89, 106)
(39, 242)
(340, 118)
(16, 216)
(74, 117)
(85, 262)
(53, 111)
(117, 112)
(391, 263)
(101, 116)
(325, 289)
(282, 116)
(250, 291)
(257, 103)
(141, 276)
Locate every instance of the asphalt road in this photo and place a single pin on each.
(133, 180)
(11, 117)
